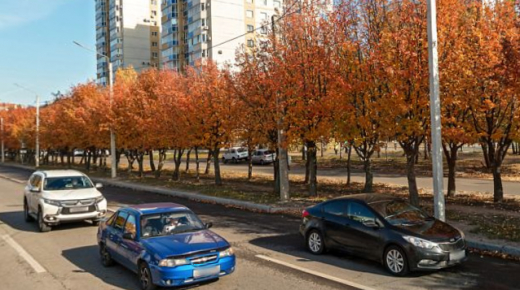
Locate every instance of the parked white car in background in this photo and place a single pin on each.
(56, 196)
(235, 154)
(263, 156)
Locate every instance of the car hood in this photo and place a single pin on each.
(84, 193)
(184, 243)
(433, 230)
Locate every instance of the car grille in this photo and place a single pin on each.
(66, 210)
(78, 202)
(203, 260)
(457, 245)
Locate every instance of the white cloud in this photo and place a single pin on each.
(19, 12)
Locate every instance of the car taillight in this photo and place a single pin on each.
(305, 213)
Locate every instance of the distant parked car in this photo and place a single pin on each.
(235, 154)
(56, 196)
(383, 228)
(78, 152)
(166, 244)
(263, 156)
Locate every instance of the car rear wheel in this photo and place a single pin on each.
(106, 258)
(145, 277)
(234, 160)
(225, 160)
(41, 223)
(261, 162)
(395, 261)
(27, 216)
(315, 242)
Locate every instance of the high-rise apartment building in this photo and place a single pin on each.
(214, 29)
(128, 32)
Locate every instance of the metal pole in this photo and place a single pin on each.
(283, 170)
(113, 166)
(435, 111)
(37, 154)
(2, 127)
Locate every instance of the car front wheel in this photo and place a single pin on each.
(395, 261)
(106, 258)
(27, 216)
(315, 242)
(41, 223)
(145, 277)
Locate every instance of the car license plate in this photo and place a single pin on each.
(459, 255)
(78, 209)
(205, 272)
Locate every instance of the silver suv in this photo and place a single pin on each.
(55, 196)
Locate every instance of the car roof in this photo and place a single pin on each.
(158, 207)
(368, 197)
(61, 173)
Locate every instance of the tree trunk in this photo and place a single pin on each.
(412, 182)
(197, 164)
(162, 158)
(307, 168)
(276, 173)
(313, 166)
(249, 163)
(349, 155)
(498, 190)
(177, 158)
(216, 165)
(486, 157)
(188, 161)
(321, 150)
(140, 161)
(152, 162)
(451, 158)
(69, 164)
(208, 162)
(369, 177)
(87, 163)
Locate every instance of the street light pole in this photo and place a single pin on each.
(37, 141)
(435, 112)
(113, 166)
(283, 170)
(2, 127)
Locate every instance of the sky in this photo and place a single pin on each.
(36, 49)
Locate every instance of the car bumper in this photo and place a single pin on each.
(54, 215)
(428, 260)
(184, 275)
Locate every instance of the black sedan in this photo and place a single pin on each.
(383, 228)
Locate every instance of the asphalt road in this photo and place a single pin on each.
(68, 255)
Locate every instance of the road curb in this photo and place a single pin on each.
(194, 196)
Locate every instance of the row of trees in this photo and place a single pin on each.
(359, 74)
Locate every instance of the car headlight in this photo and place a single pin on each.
(52, 202)
(226, 253)
(173, 262)
(421, 243)
(100, 199)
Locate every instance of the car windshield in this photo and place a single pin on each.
(240, 150)
(399, 212)
(67, 183)
(169, 223)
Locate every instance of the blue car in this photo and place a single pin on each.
(166, 244)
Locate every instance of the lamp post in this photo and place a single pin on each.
(435, 112)
(111, 93)
(37, 143)
(2, 128)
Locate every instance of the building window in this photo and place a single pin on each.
(263, 16)
(202, 6)
(154, 43)
(249, 1)
(263, 30)
(154, 13)
(250, 43)
(249, 13)
(153, 2)
(154, 33)
(265, 2)
(277, 4)
(155, 54)
(250, 28)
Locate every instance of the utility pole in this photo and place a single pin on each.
(435, 111)
(113, 161)
(37, 146)
(2, 128)
(283, 170)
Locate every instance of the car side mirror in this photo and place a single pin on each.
(99, 185)
(128, 236)
(371, 224)
(209, 225)
(35, 189)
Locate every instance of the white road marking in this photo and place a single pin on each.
(318, 274)
(28, 258)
